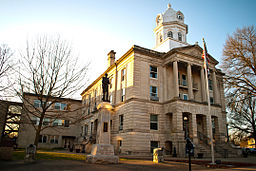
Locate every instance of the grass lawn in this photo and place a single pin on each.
(44, 155)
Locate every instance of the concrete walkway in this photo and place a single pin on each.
(124, 165)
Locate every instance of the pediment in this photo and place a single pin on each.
(193, 51)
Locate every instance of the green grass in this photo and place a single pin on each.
(44, 155)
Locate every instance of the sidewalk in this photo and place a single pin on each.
(239, 161)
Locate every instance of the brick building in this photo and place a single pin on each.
(61, 124)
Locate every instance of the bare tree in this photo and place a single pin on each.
(242, 115)
(50, 72)
(239, 64)
(239, 61)
(5, 68)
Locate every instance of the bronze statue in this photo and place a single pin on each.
(105, 83)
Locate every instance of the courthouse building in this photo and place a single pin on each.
(159, 96)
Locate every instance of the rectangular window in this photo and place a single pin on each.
(63, 106)
(121, 122)
(210, 84)
(57, 122)
(111, 83)
(105, 127)
(57, 106)
(46, 121)
(185, 97)
(86, 130)
(184, 80)
(123, 73)
(37, 103)
(35, 120)
(153, 93)
(154, 122)
(91, 127)
(153, 72)
(54, 139)
(66, 123)
(123, 94)
(42, 139)
(60, 106)
(179, 78)
(153, 145)
(95, 99)
(111, 125)
(211, 100)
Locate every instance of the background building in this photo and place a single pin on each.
(61, 125)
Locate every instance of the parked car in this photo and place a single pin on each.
(252, 150)
(249, 150)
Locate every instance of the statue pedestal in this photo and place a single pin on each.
(102, 154)
(103, 151)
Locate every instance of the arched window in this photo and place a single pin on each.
(160, 38)
(179, 36)
(169, 34)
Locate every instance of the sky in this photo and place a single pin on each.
(97, 26)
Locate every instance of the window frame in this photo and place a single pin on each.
(185, 95)
(37, 104)
(184, 82)
(105, 127)
(121, 122)
(123, 93)
(154, 95)
(153, 74)
(123, 74)
(170, 34)
(179, 36)
(153, 122)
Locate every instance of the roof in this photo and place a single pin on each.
(36, 95)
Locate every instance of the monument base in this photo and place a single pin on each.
(102, 154)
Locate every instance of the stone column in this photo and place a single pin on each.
(165, 81)
(203, 85)
(194, 129)
(178, 134)
(215, 88)
(177, 122)
(190, 84)
(175, 79)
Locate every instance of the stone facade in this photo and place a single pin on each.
(59, 131)
(159, 98)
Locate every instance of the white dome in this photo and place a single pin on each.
(171, 15)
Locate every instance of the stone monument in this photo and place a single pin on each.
(103, 151)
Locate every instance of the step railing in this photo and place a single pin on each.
(217, 147)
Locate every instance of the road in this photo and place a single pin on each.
(124, 165)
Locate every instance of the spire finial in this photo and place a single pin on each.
(169, 5)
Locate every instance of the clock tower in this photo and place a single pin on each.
(170, 31)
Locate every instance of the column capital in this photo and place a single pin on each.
(189, 63)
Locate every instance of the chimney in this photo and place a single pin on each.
(111, 58)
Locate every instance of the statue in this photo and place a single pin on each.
(105, 83)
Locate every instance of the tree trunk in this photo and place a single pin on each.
(37, 137)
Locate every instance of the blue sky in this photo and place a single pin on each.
(96, 27)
